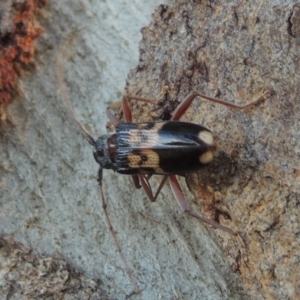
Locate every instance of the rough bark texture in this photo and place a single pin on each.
(236, 52)
(17, 35)
(24, 275)
(49, 199)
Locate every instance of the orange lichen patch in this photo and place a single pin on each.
(17, 36)
(8, 80)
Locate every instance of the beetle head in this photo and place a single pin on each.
(101, 152)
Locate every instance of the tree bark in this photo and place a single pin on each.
(50, 201)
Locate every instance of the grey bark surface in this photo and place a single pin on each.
(49, 197)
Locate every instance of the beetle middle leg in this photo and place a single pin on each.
(147, 187)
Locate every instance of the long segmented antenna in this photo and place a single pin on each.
(66, 99)
(91, 141)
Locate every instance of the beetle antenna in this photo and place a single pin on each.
(90, 139)
(67, 102)
(114, 235)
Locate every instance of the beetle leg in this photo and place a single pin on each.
(126, 108)
(185, 104)
(136, 181)
(162, 93)
(148, 176)
(112, 117)
(126, 111)
(147, 187)
(151, 101)
(182, 202)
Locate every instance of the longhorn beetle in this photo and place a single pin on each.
(144, 149)
(163, 148)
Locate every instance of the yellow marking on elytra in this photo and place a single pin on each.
(144, 159)
(206, 137)
(206, 157)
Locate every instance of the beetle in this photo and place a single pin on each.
(144, 149)
(161, 148)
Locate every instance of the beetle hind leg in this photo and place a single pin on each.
(182, 202)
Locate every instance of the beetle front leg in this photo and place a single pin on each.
(183, 204)
(126, 109)
(185, 104)
(163, 92)
(112, 118)
(136, 180)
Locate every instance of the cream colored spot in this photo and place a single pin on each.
(206, 157)
(145, 159)
(206, 137)
(158, 126)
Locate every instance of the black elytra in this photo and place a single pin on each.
(161, 148)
